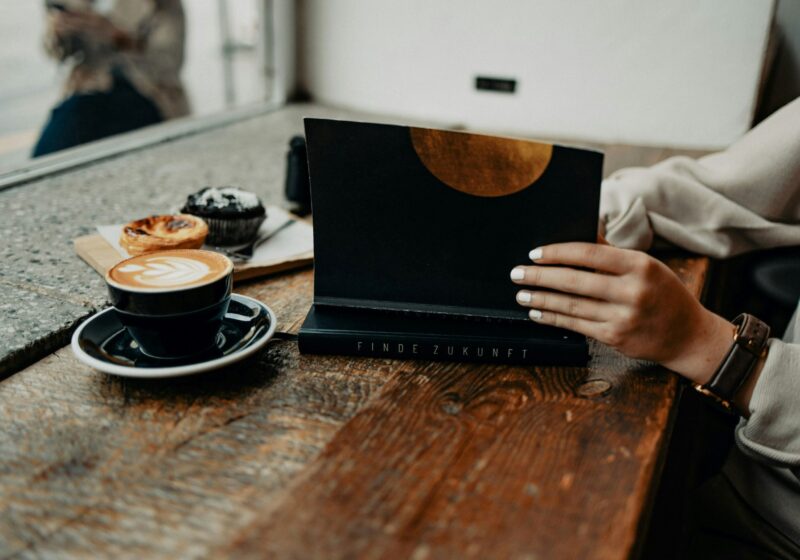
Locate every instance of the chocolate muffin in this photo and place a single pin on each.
(233, 215)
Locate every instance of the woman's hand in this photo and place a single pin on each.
(88, 24)
(629, 301)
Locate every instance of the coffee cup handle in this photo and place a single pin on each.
(256, 318)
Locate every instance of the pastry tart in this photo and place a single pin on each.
(159, 233)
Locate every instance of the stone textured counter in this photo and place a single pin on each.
(46, 290)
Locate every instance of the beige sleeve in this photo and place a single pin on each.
(155, 70)
(772, 433)
(746, 197)
(57, 47)
(164, 38)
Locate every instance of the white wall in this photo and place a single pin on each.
(30, 82)
(282, 62)
(680, 73)
(784, 82)
(204, 66)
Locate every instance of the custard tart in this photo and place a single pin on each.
(159, 233)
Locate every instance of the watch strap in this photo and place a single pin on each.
(748, 346)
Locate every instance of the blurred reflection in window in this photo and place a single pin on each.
(125, 58)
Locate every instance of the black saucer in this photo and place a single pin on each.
(104, 344)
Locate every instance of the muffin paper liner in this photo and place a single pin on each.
(232, 231)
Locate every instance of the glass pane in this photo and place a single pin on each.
(110, 66)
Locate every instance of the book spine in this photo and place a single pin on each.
(463, 350)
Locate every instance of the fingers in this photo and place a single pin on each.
(564, 304)
(600, 257)
(578, 282)
(588, 328)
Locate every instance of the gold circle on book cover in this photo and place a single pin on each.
(481, 165)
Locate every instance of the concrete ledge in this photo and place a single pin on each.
(45, 289)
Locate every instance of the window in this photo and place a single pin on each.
(229, 68)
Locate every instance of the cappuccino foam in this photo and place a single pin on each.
(169, 270)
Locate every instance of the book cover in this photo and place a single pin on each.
(429, 223)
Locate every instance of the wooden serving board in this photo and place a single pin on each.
(101, 256)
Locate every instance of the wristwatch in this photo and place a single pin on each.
(749, 345)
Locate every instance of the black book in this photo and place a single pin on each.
(415, 234)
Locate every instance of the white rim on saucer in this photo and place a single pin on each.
(173, 371)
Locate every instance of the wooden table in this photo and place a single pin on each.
(296, 456)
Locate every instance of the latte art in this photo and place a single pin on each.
(166, 271)
(170, 269)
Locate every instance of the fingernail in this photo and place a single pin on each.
(518, 274)
(536, 254)
(524, 297)
(535, 314)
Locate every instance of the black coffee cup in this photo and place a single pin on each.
(173, 321)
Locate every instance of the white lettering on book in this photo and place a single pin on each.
(465, 351)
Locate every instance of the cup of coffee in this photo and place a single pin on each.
(172, 302)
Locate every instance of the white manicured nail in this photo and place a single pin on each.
(535, 314)
(536, 254)
(524, 297)
(518, 274)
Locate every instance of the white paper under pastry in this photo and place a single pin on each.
(285, 245)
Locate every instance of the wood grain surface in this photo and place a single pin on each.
(288, 456)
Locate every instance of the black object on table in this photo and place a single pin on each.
(298, 190)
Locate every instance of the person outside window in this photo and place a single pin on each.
(124, 68)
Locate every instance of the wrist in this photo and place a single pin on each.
(705, 346)
(734, 380)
